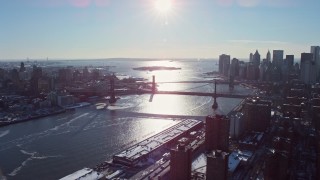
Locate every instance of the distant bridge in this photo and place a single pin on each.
(130, 92)
(192, 82)
(203, 94)
(112, 92)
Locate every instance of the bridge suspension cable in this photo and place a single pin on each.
(195, 87)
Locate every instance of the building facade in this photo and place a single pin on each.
(277, 58)
(217, 165)
(224, 64)
(257, 114)
(180, 162)
(307, 68)
(217, 133)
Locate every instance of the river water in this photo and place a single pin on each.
(55, 146)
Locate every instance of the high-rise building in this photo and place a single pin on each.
(217, 133)
(277, 58)
(22, 68)
(251, 71)
(180, 162)
(250, 57)
(268, 56)
(256, 63)
(315, 50)
(276, 74)
(262, 71)
(237, 125)
(242, 70)
(224, 64)
(234, 68)
(256, 58)
(287, 67)
(308, 68)
(289, 60)
(217, 165)
(257, 114)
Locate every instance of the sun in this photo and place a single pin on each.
(163, 6)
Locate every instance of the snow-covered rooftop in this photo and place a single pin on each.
(200, 163)
(147, 145)
(83, 174)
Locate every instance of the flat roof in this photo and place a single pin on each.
(200, 163)
(83, 174)
(252, 138)
(148, 145)
(236, 157)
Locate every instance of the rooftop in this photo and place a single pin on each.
(148, 145)
(83, 174)
(200, 163)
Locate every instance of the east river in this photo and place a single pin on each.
(55, 146)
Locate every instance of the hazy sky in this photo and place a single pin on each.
(140, 28)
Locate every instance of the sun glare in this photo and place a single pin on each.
(163, 6)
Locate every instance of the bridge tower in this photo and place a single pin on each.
(215, 104)
(153, 84)
(113, 94)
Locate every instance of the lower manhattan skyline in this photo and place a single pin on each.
(155, 28)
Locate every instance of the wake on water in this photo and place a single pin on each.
(30, 138)
(3, 133)
(60, 129)
(33, 156)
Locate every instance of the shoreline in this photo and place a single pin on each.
(3, 124)
(64, 110)
(108, 163)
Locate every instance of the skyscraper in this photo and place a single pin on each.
(262, 71)
(250, 57)
(257, 114)
(234, 69)
(217, 133)
(308, 68)
(251, 71)
(268, 56)
(287, 67)
(256, 58)
(180, 162)
(315, 50)
(217, 165)
(22, 68)
(277, 58)
(290, 60)
(224, 64)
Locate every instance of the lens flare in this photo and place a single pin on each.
(163, 6)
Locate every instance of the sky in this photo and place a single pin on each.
(82, 29)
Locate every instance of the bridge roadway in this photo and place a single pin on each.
(203, 94)
(236, 82)
(130, 92)
(186, 82)
(210, 94)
